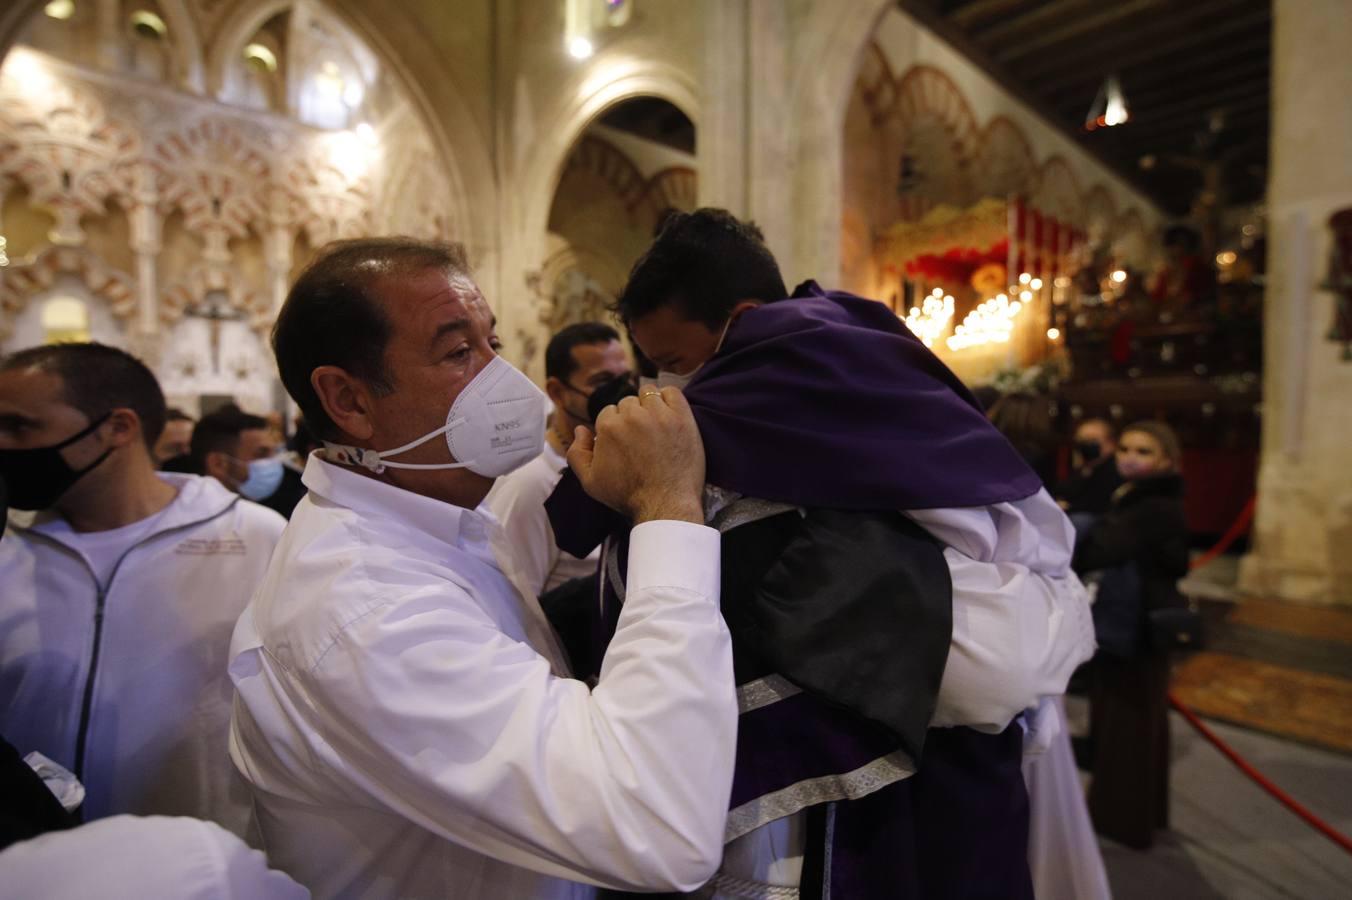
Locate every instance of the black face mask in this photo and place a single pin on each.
(38, 476)
(1089, 450)
(608, 394)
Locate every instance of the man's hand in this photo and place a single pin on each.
(646, 459)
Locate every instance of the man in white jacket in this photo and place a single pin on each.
(121, 588)
(402, 711)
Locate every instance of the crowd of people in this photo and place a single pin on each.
(769, 608)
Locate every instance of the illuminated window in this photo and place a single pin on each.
(60, 9)
(148, 25)
(65, 319)
(260, 58)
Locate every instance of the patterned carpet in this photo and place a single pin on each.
(1278, 668)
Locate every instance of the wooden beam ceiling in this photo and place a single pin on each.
(1081, 25)
(1160, 40)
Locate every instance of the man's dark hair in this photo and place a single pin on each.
(303, 440)
(705, 262)
(96, 379)
(218, 432)
(174, 414)
(334, 316)
(559, 360)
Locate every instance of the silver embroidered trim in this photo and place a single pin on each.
(745, 511)
(716, 499)
(826, 852)
(727, 886)
(861, 782)
(764, 691)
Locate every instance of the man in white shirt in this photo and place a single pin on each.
(402, 711)
(578, 360)
(121, 590)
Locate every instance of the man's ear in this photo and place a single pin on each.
(346, 400)
(217, 465)
(555, 389)
(122, 428)
(742, 307)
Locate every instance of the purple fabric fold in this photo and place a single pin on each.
(827, 399)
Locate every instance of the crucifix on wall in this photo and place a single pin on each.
(215, 308)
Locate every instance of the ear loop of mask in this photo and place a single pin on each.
(377, 462)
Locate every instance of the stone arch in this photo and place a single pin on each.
(1004, 162)
(1100, 214)
(19, 283)
(215, 175)
(239, 25)
(673, 188)
(1131, 239)
(185, 45)
(544, 167)
(834, 37)
(462, 160)
(924, 90)
(1058, 192)
(605, 160)
(204, 279)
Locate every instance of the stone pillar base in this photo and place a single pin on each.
(1275, 579)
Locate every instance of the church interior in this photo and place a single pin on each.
(1125, 210)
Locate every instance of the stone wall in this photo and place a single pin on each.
(1303, 531)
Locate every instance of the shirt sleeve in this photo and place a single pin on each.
(433, 713)
(1018, 635)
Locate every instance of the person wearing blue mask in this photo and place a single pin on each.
(121, 587)
(237, 449)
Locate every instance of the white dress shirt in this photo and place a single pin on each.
(134, 858)
(518, 500)
(402, 714)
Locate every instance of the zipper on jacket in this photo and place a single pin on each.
(87, 701)
(100, 601)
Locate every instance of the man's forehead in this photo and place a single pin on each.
(30, 387)
(433, 296)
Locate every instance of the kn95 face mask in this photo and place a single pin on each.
(495, 425)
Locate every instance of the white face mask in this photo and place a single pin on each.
(679, 382)
(496, 425)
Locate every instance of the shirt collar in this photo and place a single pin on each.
(446, 522)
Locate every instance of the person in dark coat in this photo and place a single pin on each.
(1094, 477)
(1143, 531)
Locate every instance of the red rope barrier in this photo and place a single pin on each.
(1259, 778)
(1241, 525)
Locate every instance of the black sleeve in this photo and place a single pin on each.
(1151, 530)
(855, 607)
(27, 807)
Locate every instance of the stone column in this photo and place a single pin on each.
(744, 143)
(145, 243)
(1303, 533)
(108, 15)
(277, 252)
(720, 144)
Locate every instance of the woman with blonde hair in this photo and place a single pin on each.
(1142, 542)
